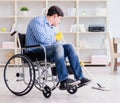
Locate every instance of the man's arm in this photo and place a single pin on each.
(41, 34)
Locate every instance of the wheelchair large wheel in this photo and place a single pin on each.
(19, 75)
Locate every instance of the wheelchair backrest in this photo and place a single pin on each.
(32, 55)
(21, 40)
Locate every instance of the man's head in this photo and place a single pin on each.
(55, 15)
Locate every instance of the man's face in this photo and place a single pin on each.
(57, 20)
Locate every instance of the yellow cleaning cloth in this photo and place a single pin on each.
(59, 36)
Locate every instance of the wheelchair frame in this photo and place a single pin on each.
(21, 73)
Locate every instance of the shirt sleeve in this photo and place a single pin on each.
(40, 33)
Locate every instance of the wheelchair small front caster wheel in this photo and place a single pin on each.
(47, 92)
(72, 89)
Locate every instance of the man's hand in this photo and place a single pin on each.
(59, 36)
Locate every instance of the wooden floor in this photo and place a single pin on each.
(84, 95)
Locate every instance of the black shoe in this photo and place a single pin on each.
(81, 85)
(84, 80)
(64, 85)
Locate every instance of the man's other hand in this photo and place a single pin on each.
(59, 36)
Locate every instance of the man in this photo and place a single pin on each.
(42, 31)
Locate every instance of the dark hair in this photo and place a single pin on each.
(55, 10)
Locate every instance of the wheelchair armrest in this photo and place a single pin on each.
(33, 46)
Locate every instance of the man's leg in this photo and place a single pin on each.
(74, 62)
(57, 53)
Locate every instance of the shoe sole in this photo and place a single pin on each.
(74, 83)
(84, 84)
(62, 88)
(81, 85)
(87, 82)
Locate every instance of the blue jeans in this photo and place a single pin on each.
(58, 53)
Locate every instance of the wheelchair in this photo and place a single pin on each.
(26, 70)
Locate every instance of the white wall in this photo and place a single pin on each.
(114, 17)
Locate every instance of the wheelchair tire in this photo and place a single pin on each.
(72, 89)
(19, 74)
(47, 92)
